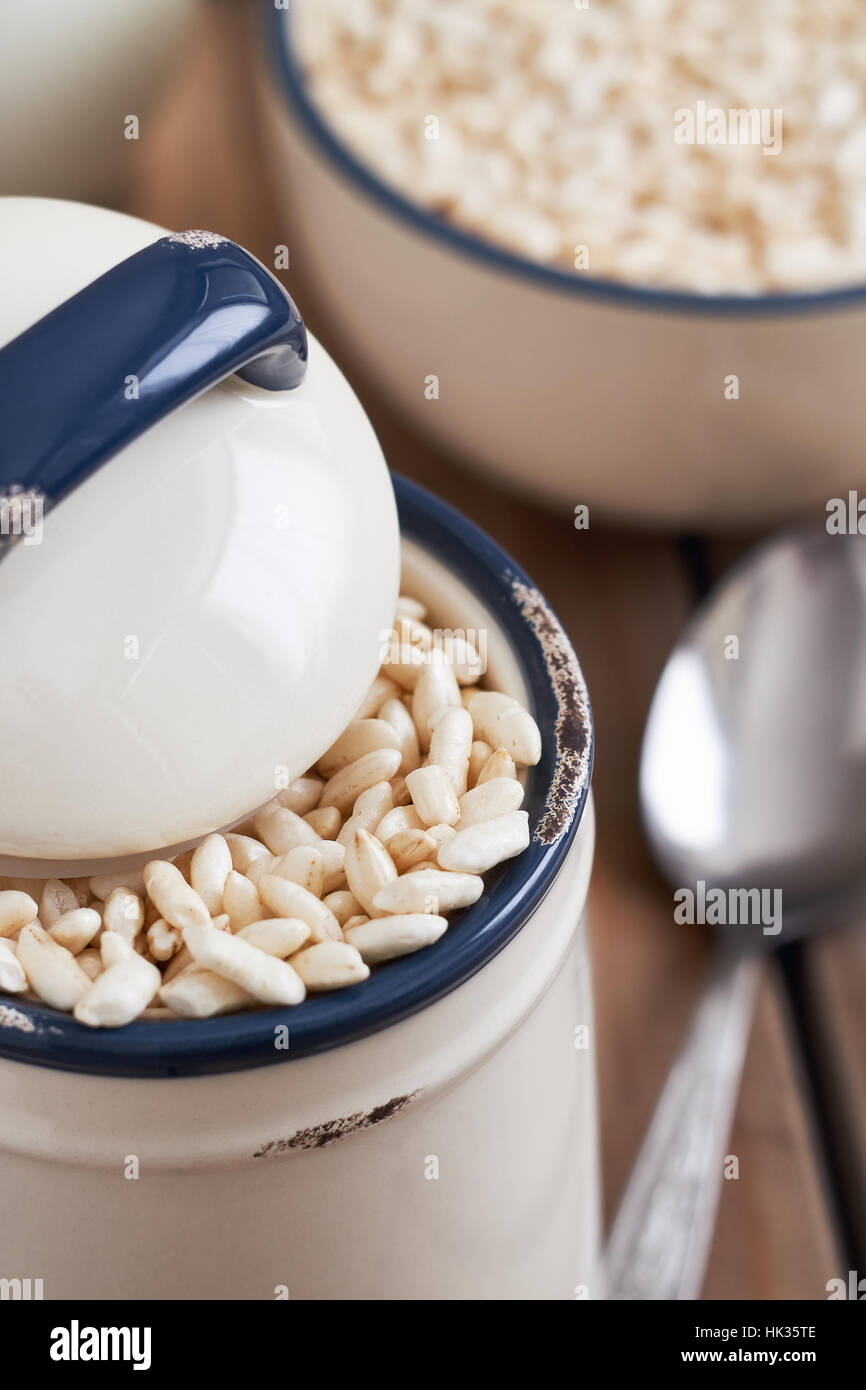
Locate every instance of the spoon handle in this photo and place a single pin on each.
(661, 1238)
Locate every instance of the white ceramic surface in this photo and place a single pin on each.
(70, 74)
(464, 1164)
(611, 401)
(202, 615)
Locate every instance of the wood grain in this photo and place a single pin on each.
(835, 989)
(774, 1237)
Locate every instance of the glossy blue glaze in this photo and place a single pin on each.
(155, 331)
(289, 76)
(402, 987)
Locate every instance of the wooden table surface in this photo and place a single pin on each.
(623, 596)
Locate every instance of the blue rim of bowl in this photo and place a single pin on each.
(289, 74)
(394, 991)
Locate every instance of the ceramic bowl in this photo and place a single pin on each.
(570, 388)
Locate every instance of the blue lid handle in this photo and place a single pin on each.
(143, 339)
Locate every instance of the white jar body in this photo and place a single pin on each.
(453, 1155)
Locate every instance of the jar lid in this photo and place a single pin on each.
(199, 549)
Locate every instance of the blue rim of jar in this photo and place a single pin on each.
(400, 988)
(288, 72)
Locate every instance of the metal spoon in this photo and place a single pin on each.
(753, 777)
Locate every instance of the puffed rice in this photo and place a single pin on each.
(383, 688)
(450, 746)
(76, 928)
(465, 660)
(336, 873)
(399, 819)
(52, 972)
(12, 977)
(409, 847)
(435, 690)
(403, 665)
(210, 866)
(386, 938)
(400, 794)
(433, 796)
(90, 961)
(123, 913)
(302, 795)
(429, 890)
(266, 978)
(288, 899)
(343, 904)
(304, 865)
(346, 786)
(371, 807)
(179, 964)
(103, 885)
(482, 846)
(413, 631)
(17, 910)
(369, 867)
(557, 130)
(123, 990)
(502, 722)
(492, 798)
(334, 863)
(282, 830)
(441, 834)
(276, 936)
(245, 850)
(241, 900)
(163, 941)
(203, 994)
(260, 867)
(56, 899)
(360, 736)
(499, 764)
(326, 821)
(330, 965)
(395, 713)
(177, 900)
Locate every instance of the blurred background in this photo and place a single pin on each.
(522, 393)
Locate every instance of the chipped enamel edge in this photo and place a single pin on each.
(573, 713)
(197, 240)
(331, 1131)
(13, 1018)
